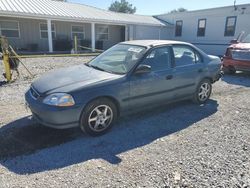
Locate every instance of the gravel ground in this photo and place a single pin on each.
(178, 145)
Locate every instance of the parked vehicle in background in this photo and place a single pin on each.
(129, 76)
(237, 57)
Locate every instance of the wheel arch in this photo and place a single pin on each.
(111, 98)
(207, 78)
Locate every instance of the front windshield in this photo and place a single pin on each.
(119, 59)
(246, 39)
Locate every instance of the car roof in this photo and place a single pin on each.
(241, 45)
(152, 43)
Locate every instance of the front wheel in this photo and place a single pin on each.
(98, 117)
(203, 92)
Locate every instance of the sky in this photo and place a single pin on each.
(154, 7)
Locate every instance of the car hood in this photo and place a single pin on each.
(76, 75)
(241, 46)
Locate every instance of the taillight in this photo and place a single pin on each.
(229, 52)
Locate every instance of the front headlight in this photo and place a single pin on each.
(59, 99)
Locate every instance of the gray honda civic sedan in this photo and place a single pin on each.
(129, 76)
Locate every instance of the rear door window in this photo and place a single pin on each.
(185, 55)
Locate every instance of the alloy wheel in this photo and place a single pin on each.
(100, 118)
(204, 91)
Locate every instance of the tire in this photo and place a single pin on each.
(203, 92)
(229, 70)
(98, 117)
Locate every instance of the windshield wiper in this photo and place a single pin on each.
(95, 67)
(104, 70)
(98, 68)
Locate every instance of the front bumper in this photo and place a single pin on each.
(41, 121)
(52, 116)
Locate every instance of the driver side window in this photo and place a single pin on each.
(158, 59)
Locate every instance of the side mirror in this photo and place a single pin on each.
(234, 41)
(142, 69)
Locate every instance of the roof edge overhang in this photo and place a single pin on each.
(74, 19)
(164, 21)
(206, 9)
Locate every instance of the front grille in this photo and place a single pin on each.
(34, 93)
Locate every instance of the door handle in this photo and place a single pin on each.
(169, 77)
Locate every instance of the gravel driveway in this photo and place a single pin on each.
(178, 145)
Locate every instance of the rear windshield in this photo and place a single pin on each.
(241, 55)
(246, 39)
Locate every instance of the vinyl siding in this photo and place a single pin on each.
(214, 41)
(30, 33)
(152, 33)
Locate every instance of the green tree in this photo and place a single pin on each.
(178, 10)
(122, 6)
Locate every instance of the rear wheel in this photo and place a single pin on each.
(232, 70)
(203, 92)
(98, 117)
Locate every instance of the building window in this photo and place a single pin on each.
(10, 29)
(230, 26)
(44, 31)
(78, 31)
(178, 28)
(102, 33)
(201, 28)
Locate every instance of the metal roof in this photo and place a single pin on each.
(48, 9)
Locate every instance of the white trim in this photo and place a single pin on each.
(126, 32)
(46, 30)
(50, 40)
(18, 28)
(131, 32)
(93, 37)
(97, 34)
(76, 20)
(159, 33)
(78, 31)
(207, 9)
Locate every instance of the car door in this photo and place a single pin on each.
(153, 87)
(188, 70)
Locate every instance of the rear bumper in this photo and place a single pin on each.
(218, 77)
(52, 116)
(243, 65)
(236, 67)
(242, 68)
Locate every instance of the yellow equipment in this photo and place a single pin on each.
(11, 60)
(10, 64)
(5, 47)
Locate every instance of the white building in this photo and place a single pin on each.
(47, 26)
(209, 29)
